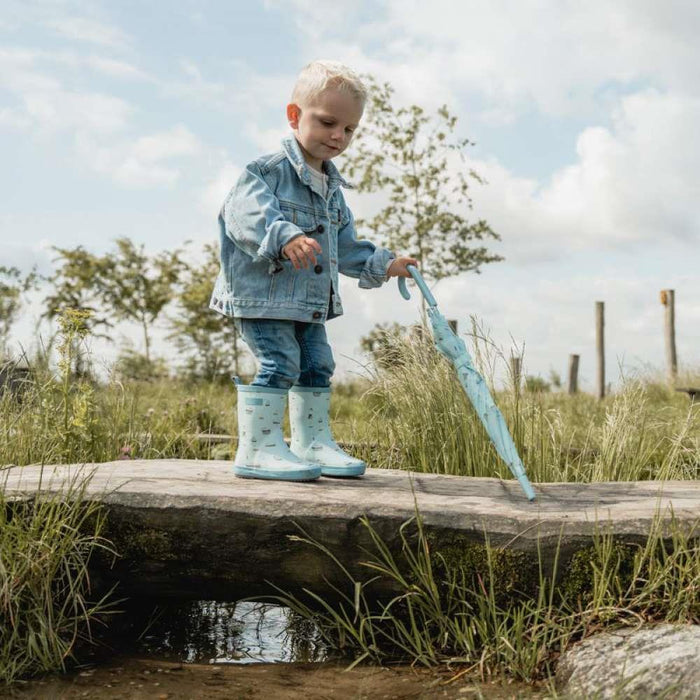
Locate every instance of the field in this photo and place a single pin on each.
(408, 413)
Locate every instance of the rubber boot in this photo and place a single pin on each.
(311, 433)
(262, 452)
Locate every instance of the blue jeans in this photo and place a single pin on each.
(288, 352)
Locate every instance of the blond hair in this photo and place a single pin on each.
(318, 76)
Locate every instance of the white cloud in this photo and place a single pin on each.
(267, 140)
(178, 141)
(247, 92)
(13, 119)
(97, 121)
(630, 185)
(144, 162)
(59, 110)
(564, 58)
(116, 69)
(213, 194)
(550, 314)
(19, 65)
(48, 106)
(21, 255)
(90, 30)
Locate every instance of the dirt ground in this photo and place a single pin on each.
(145, 679)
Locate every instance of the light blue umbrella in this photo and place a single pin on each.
(454, 349)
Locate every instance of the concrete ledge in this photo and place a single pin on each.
(189, 527)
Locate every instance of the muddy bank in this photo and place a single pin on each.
(146, 679)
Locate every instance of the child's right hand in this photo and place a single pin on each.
(301, 250)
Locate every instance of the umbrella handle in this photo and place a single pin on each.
(413, 270)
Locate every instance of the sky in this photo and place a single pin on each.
(129, 118)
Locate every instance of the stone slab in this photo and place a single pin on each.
(189, 527)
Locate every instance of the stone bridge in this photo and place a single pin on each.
(190, 528)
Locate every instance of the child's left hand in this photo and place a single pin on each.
(398, 267)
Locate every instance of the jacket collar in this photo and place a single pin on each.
(291, 149)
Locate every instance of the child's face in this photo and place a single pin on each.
(324, 128)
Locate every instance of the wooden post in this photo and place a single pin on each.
(573, 373)
(600, 345)
(668, 299)
(515, 365)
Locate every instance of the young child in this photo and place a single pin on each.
(285, 234)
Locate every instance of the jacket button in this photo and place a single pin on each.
(316, 314)
(320, 228)
(318, 269)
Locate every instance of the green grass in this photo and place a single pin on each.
(411, 413)
(455, 612)
(53, 422)
(45, 592)
(419, 415)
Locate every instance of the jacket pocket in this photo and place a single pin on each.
(301, 216)
(282, 283)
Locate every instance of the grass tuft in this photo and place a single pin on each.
(45, 607)
(449, 613)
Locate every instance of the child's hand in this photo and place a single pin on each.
(398, 267)
(300, 251)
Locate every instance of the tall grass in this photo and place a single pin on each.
(420, 416)
(46, 544)
(410, 413)
(59, 417)
(452, 611)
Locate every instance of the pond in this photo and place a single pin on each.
(211, 650)
(213, 632)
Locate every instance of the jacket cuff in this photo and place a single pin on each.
(374, 272)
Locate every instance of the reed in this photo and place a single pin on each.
(465, 616)
(46, 605)
(419, 414)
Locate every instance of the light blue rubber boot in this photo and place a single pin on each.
(311, 433)
(262, 452)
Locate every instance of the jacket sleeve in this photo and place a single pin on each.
(253, 218)
(359, 258)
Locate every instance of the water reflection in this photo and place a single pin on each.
(222, 632)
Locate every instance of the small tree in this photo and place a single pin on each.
(74, 289)
(406, 154)
(137, 287)
(12, 286)
(208, 340)
(132, 365)
(74, 285)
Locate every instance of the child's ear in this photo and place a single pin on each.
(293, 113)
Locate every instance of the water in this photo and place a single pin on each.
(214, 632)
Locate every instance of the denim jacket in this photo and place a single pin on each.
(271, 204)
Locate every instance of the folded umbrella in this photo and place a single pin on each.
(455, 350)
